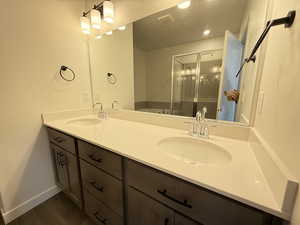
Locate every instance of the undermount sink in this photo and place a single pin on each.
(84, 122)
(194, 151)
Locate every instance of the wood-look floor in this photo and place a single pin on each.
(58, 210)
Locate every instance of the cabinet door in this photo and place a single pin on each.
(181, 220)
(67, 173)
(73, 175)
(62, 179)
(142, 210)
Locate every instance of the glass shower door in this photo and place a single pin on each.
(209, 82)
(185, 84)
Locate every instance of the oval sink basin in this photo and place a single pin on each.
(84, 122)
(194, 152)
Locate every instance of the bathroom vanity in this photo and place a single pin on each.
(115, 187)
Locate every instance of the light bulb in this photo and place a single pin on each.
(206, 32)
(109, 32)
(85, 25)
(108, 11)
(98, 36)
(95, 19)
(122, 28)
(215, 69)
(184, 5)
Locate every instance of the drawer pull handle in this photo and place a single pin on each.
(100, 218)
(183, 203)
(59, 139)
(92, 157)
(94, 184)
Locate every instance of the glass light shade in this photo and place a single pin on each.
(122, 28)
(95, 19)
(108, 11)
(98, 36)
(184, 5)
(85, 25)
(206, 32)
(109, 32)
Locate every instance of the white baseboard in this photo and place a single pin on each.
(30, 204)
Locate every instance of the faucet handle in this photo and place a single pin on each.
(98, 103)
(198, 116)
(115, 105)
(204, 111)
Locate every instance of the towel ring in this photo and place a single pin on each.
(111, 78)
(63, 69)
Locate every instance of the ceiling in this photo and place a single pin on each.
(175, 26)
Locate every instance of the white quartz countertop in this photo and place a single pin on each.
(241, 179)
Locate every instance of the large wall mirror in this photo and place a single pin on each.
(183, 59)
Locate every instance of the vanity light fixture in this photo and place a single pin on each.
(206, 32)
(85, 24)
(104, 10)
(184, 5)
(108, 11)
(96, 19)
(122, 28)
(109, 32)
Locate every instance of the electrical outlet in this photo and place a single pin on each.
(260, 103)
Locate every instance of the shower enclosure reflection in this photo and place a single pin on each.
(195, 83)
(179, 67)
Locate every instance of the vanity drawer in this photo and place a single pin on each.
(143, 210)
(99, 213)
(181, 220)
(103, 159)
(62, 140)
(104, 187)
(199, 204)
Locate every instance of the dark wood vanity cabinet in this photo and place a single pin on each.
(116, 191)
(199, 204)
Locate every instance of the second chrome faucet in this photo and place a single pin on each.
(199, 125)
(100, 112)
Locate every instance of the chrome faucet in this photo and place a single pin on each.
(101, 114)
(199, 125)
(203, 126)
